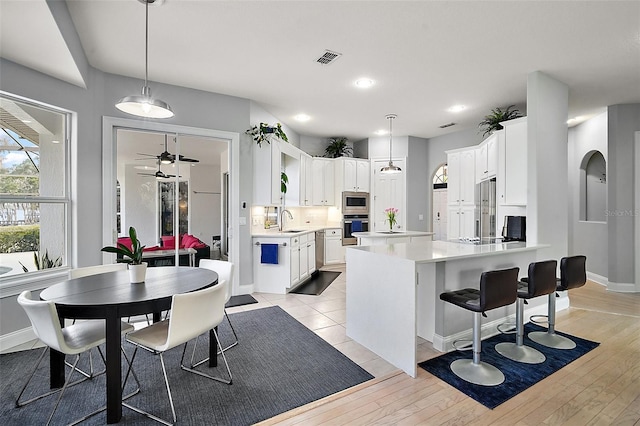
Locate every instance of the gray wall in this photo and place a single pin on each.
(418, 186)
(588, 238)
(623, 122)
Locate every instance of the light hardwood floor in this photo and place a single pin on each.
(600, 388)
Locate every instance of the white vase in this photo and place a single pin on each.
(137, 273)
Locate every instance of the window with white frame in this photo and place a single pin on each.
(34, 186)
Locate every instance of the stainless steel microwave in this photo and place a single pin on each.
(355, 203)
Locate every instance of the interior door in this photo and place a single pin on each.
(388, 191)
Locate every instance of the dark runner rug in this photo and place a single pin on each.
(278, 365)
(242, 299)
(317, 284)
(518, 376)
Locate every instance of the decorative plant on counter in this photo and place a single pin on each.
(284, 180)
(338, 148)
(132, 256)
(491, 122)
(263, 133)
(391, 216)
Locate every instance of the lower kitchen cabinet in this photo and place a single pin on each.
(333, 251)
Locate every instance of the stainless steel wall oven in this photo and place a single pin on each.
(353, 223)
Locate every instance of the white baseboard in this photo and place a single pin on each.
(623, 287)
(597, 279)
(16, 338)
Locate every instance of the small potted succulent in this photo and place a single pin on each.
(264, 132)
(132, 256)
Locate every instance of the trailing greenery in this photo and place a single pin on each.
(491, 122)
(264, 132)
(19, 239)
(338, 148)
(43, 261)
(133, 256)
(284, 180)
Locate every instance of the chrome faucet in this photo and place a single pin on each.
(282, 218)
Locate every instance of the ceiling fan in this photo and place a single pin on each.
(166, 157)
(159, 174)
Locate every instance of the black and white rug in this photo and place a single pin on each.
(317, 284)
(278, 365)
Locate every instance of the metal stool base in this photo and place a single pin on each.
(551, 340)
(479, 374)
(522, 353)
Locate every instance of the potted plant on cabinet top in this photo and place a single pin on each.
(131, 255)
(491, 122)
(338, 148)
(263, 133)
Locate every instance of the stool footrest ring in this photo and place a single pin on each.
(539, 319)
(462, 345)
(510, 328)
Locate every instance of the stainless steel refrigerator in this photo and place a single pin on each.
(485, 213)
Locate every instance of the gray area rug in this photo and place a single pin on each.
(278, 365)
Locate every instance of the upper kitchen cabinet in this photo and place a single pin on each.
(512, 166)
(323, 176)
(306, 180)
(267, 166)
(461, 182)
(487, 157)
(352, 174)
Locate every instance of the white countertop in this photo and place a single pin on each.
(292, 232)
(394, 234)
(437, 251)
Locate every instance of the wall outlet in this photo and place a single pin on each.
(420, 217)
(243, 220)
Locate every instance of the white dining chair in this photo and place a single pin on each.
(192, 314)
(72, 340)
(225, 272)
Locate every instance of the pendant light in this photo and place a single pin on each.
(390, 169)
(145, 105)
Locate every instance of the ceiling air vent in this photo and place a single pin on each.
(328, 57)
(444, 126)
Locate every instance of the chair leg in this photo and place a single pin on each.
(64, 387)
(193, 370)
(233, 330)
(549, 338)
(474, 370)
(518, 351)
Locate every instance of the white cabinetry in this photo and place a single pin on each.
(461, 183)
(306, 180)
(323, 182)
(487, 158)
(352, 174)
(461, 222)
(296, 262)
(512, 179)
(333, 246)
(267, 165)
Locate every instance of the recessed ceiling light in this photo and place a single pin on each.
(381, 132)
(302, 117)
(364, 83)
(26, 121)
(457, 108)
(55, 141)
(575, 120)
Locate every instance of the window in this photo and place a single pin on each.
(440, 177)
(593, 187)
(34, 186)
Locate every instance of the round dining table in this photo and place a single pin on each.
(110, 296)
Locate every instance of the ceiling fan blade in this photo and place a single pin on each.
(148, 155)
(188, 160)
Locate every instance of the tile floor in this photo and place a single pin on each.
(325, 315)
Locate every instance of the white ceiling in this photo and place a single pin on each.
(424, 56)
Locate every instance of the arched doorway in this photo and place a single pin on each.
(439, 204)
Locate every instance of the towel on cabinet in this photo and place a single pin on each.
(269, 253)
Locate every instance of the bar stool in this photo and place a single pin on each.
(541, 280)
(573, 274)
(497, 288)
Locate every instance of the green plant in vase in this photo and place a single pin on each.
(132, 256)
(338, 148)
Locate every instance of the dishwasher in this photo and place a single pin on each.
(319, 249)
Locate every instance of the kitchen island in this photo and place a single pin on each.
(393, 293)
(395, 237)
